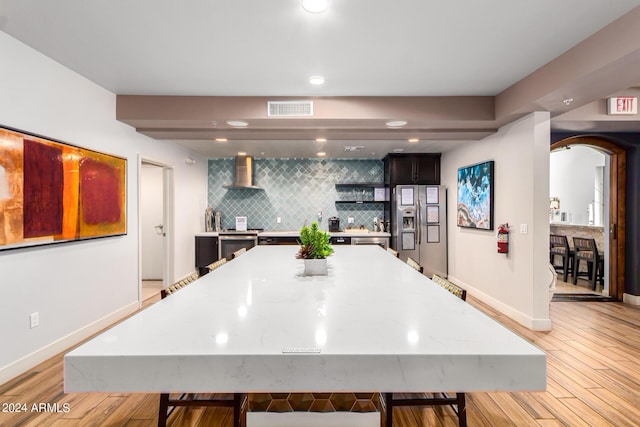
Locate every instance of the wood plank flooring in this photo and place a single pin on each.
(593, 380)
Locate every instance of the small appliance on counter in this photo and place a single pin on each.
(334, 224)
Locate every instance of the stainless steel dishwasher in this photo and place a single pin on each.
(362, 240)
(231, 241)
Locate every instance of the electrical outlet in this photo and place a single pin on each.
(350, 220)
(34, 319)
(524, 229)
(278, 220)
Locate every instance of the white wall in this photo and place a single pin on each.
(572, 180)
(80, 287)
(517, 283)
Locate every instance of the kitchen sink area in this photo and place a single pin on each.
(214, 245)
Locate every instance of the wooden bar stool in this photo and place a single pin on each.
(414, 264)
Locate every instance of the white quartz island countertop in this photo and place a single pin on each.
(258, 324)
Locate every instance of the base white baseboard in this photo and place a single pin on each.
(631, 299)
(32, 360)
(518, 316)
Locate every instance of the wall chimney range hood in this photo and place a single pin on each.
(244, 175)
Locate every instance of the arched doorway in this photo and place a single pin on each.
(617, 205)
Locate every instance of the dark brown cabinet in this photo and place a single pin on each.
(206, 252)
(412, 169)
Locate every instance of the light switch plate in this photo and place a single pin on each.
(34, 319)
(524, 229)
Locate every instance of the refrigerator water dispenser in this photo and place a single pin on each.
(409, 219)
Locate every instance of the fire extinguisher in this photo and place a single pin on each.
(503, 239)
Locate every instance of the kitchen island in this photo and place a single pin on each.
(257, 324)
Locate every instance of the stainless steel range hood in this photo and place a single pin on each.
(244, 174)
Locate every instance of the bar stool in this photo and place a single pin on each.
(414, 264)
(559, 246)
(586, 250)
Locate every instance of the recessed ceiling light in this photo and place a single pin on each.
(221, 139)
(316, 80)
(242, 153)
(321, 139)
(237, 123)
(315, 6)
(413, 140)
(322, 154)
(396, 123)
(398, 150)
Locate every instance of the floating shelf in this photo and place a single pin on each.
(344, 185)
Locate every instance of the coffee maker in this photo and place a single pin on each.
(334, 224)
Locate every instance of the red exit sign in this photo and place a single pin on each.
(623, 105)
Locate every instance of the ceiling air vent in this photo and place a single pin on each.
(352, 148)
(289, 108)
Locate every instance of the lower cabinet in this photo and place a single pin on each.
(206, 253)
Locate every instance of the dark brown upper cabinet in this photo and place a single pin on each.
(412, 169)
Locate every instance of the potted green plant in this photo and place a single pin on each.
(314, 250)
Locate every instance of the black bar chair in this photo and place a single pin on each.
(586, 250)
(559, 246)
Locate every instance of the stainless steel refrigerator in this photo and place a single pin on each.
(420, 230)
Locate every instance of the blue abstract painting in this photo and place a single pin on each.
(475, 196)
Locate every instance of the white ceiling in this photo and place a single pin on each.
(270, 48)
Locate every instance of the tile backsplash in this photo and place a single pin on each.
(295, 190)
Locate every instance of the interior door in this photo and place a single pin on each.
(151, 221)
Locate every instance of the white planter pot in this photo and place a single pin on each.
(315, 267)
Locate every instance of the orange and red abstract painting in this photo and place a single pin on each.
(54, 192)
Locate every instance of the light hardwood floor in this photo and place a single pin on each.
(150, 288)
(593, 379)
(582, 287)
